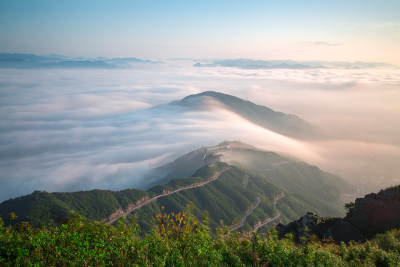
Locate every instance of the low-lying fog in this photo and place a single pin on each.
(70, 130)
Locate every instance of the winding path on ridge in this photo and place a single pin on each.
(268, 220)
(260, 224)
(126, 212)
(246, 180)
(253, 207)
(244, 218)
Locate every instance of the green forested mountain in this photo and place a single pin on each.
(179, 239)
(247, 178)
(308, 183)
(43, 207)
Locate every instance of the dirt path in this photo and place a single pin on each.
(268, 220)
(244, 218)
(125, 213)
(246, 181)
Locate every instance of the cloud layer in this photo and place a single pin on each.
(68, 130)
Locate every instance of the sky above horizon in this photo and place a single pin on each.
(308, 30)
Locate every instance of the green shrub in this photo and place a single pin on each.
(178, 239)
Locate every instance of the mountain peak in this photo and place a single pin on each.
(279, 122)
(212, 94)
(221, 97)
(236, 144)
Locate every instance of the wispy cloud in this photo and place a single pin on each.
(393, 24)
(320, 43)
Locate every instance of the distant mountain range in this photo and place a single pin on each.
(245, 185)
(286, 124)
(243, 63)
(29, 61)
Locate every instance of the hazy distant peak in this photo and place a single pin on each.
(243, 63)
(211, 93)
(30, 61)
(219, 96)
(229, 100)
(257, 64)
(286, 124)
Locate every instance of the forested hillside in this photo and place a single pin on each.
(228, 196)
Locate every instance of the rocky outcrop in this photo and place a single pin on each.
(308, 225)
(376, 213)
(371, 215)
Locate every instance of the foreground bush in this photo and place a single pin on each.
(179, 240)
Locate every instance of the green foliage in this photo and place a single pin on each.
(178, 239)
(390, 241)
(308, 186)
(42, 207)
(225, 198)
(349, 208)
(12, 216)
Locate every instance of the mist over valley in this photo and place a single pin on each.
(199, 133)
(81, 129)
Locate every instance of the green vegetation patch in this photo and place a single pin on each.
(179, 239)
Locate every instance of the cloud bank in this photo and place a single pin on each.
(69, 130)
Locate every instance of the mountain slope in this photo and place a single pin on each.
(41, 207)
(286, 124)
(308, 182)
(228, 197)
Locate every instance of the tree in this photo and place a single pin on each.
(349, 208)
(12, 216)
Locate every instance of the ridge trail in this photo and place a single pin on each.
(246, 181)
(259, 224)
(125, 213)
(268, 220)
(244, 218)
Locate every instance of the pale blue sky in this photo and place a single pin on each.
(303, 30)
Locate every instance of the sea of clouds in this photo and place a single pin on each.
(81, 129)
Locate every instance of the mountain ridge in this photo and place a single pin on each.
(282, 123)
(31, 61)
(226, 198)
(257, 64)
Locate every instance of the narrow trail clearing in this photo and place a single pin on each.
(132, 208)
(246, 180)
(244, 218)
(259, 224)
(269, 220)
